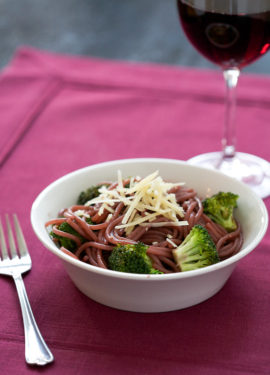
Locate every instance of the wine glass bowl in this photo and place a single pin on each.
(230, 34)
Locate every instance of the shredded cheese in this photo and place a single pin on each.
(144, 200)
(81, 213)
(163, 224)
(171, 242)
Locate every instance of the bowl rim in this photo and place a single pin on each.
(130, 276)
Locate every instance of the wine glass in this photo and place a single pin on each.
(231, 34)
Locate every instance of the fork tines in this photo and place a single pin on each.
(12, 251)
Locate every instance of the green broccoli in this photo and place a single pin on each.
(220, 208)
(131, 258)
(89, 220)
(63, 241)
(196, 251)
(90, 193)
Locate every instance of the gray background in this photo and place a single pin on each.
(133, 30)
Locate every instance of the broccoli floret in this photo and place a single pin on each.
(220, 208)
(90, 193)
(63, 241)
(196, 251)
(131, 258)
(89, 220)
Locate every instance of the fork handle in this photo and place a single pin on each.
(36, 350)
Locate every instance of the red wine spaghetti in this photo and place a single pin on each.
(157, 213)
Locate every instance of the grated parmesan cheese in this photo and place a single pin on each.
(81, 213)
(148, 196)
(171, 242)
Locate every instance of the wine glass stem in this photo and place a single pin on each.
(229, 140)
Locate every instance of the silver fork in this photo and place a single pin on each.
(36, 350)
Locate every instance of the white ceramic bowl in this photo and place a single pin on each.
(149, 293)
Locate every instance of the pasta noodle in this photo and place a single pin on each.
(158, 231)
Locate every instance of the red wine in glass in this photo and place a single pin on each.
(231, 34)
(229, 40)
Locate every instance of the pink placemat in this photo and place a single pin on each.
(60, 113)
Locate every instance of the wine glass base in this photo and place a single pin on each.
(250, 169)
